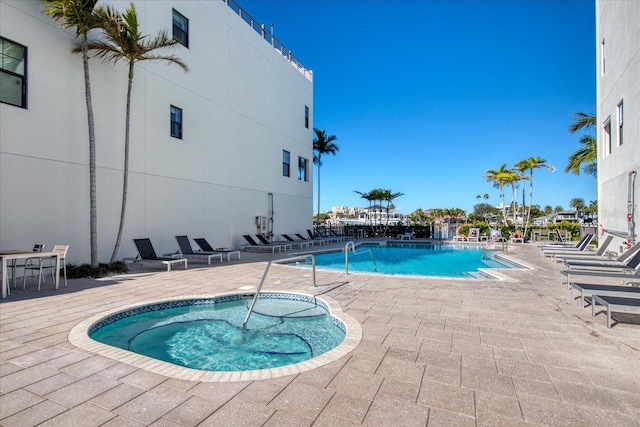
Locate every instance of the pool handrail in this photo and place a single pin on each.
(264, 276)
(353, 249)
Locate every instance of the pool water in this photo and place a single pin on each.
(427, 260)
(209, 335)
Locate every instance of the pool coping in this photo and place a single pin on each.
(79, 337)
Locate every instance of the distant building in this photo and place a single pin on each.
(571, 216)
(618, 110)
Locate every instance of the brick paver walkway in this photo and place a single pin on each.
(434, 352)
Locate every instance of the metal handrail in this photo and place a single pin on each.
(264, 276)
(353, 249)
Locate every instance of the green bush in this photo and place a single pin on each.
(85, 270)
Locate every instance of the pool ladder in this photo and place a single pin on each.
(264, 276)
(353, 249)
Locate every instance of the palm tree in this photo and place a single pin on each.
(585, 157)
(529, 165)
(578, 204)
(389, 197)
(378, 196)
(512, 178)
(322, 144)
(498, 178)
(367, 196)
(125, 42)
(81, 15)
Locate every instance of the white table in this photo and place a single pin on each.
(15, 255)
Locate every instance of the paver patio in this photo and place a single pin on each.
(434, 352)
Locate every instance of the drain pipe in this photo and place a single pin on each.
(271, 212)
(631, 207)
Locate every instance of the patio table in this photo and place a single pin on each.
(12, 255)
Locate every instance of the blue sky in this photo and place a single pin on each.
(425, 95)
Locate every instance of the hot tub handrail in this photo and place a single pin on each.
(353, 249)
(264, 276)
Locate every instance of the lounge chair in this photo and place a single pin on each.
(147, 253)
(613, 265)
(566, 245)
(253, 245)
(594, 261)
(599, 254)
(548, 251)
(206, 247)
(626, 274)
(187, 250)
(339, 237)
(301, 237)
(408, 234)
(321, 240)
(563, 235)
(614, 303)
(516, 237)
(299, 243)
(496, 235)
(474, 235)
(590, 289)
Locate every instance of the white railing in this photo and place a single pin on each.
(270, 38)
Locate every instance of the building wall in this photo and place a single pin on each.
(618, 79)
(242, 101)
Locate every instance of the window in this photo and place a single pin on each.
(606, 137)
(286, 163)
(620, 112)
(306, 117)
(176, 122)
(302, 169)
(180, 28)
(13, 73)
(602, 63)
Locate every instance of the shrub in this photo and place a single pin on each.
(85, 270)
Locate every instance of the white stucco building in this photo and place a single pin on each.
(211, 149)
(618, 114)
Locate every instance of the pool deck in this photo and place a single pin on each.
(434, 352)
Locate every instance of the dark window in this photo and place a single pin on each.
(306, 117)
(620, 111)
(286, 163)
(606, 134)
(180, 28)
(302, 169)
(176, 122)
(602, 58)
(13, 73)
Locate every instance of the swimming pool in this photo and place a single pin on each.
(458, 261)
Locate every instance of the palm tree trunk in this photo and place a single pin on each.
(93, 204)
(530, 201)
(318, 214)
(125, 179)
(513, 204)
